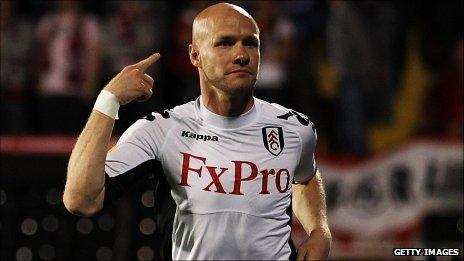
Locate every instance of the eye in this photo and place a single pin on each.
(224, 43)
(251, 42)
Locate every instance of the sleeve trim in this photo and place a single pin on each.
(309, 178)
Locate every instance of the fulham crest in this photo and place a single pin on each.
(273, 139)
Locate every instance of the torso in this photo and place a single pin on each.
(231, 178)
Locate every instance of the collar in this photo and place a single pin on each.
(224, 122)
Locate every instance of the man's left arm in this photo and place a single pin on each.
(310, 208)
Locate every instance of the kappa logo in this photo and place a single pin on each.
(203, 137)
(273, 139)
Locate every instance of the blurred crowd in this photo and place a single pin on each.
(339, 62)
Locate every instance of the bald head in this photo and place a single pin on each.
(222, 12)
(225, 49)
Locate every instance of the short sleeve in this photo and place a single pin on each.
(135, 155)
(306, 168)
(140, 143)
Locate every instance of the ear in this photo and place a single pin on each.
(194, 55)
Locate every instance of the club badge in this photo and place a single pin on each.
(273, 139)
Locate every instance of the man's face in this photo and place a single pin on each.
(229, 53)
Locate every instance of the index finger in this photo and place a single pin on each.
(144, 64)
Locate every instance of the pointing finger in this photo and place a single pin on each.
(144, 64)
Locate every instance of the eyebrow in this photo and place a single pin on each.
(226, 38)
(252, 38)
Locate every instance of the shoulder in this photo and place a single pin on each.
(298, 122)
(169, 116)
(285, 116)
(162, 120)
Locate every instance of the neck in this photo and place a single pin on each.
(225, 104)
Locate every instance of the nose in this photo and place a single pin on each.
(242, 57)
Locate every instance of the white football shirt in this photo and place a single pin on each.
(231, 177)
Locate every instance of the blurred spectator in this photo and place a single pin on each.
(440, 25)
(16, 42)
(133, 31)
(364, 40)
(135, 35)
(68, 67)
(277, 33)
(182, 74)
(307, 56)
(443, 110)
(442, 51)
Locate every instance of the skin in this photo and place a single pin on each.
(85, 184)
(310, 208)
(225, 49)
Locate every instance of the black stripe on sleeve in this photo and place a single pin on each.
(115, 187)
(164, 205)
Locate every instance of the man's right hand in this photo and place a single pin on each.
(85, 183)
(132, 83)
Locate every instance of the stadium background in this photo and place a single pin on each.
(382, 81)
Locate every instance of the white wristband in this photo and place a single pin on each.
(107, 103)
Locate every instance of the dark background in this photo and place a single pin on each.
(371, 75)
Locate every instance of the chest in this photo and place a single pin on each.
(259, 160)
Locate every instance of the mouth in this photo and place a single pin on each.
(240, 71)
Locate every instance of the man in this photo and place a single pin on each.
(228, 157)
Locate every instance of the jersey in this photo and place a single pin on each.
(230, 177)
